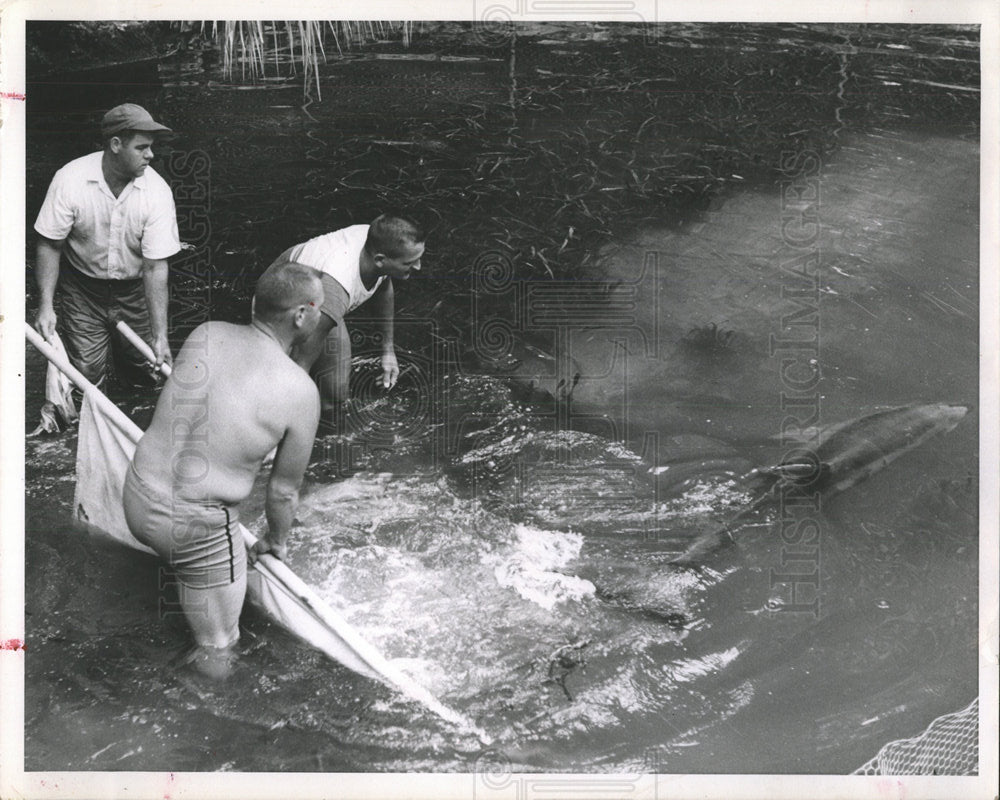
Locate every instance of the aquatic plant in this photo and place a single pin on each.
(295, 45)
(710, 338)
(548, 157)
(563, 661)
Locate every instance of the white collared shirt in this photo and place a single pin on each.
(105, 236)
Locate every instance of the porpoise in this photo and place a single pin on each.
(830, 459)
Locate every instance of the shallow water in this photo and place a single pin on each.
(510, 549)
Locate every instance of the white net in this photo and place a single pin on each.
(949, 746)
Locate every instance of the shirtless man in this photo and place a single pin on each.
(356, 264)
(234, 394)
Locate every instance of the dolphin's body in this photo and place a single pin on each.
(830, 459)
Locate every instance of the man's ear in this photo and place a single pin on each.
(115, 144)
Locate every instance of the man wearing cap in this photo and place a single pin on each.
(110, 219)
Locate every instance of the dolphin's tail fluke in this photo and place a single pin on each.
(722, 536)
(703, 545)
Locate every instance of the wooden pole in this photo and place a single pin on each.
(140, 344)
(96, 396)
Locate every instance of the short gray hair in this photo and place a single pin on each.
(283, 286)
(390, 233)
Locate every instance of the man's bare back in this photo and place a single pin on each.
(234, 394)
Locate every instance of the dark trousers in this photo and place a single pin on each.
(89, 310)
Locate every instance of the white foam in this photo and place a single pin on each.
(529, 568)
(703, 498)
(690, 669)
(422, 670)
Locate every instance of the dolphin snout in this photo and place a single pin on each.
(947, 415)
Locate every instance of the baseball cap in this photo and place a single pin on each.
(130, 117)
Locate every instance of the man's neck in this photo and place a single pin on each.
(367, 269)
(116, 182)
(283, 341)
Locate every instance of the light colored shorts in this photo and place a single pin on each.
(201, 541)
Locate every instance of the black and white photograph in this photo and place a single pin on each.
(499, 400)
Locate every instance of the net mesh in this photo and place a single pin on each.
(949, 746)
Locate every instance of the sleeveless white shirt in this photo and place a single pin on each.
(338, 254)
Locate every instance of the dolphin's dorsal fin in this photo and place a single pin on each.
(796, 470)
(813, 435)
(801, 471)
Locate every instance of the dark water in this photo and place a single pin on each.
(610, 258)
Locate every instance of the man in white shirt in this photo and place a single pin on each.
(357, 264)
(106, 229)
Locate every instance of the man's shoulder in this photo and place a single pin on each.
(331, 248)
(298, 379)
(214, 326)
(355, 231)
(80, 168)
(350, 230)
(299, 397)
(277, 366)
(351, 235)
(156, 184)
(217, 331)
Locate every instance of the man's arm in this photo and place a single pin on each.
(289, 467)
(47, 255)
(154, 279)
(384, 301)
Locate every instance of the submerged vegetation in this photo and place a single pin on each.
(574, 147)
(527, 154)
(528, 151)
(710, 339)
